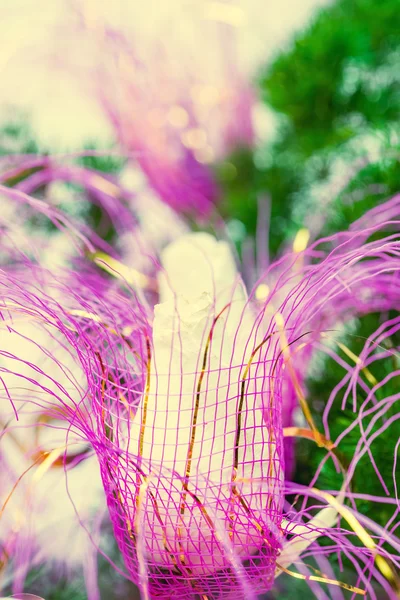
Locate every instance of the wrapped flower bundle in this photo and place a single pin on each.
(177, 383)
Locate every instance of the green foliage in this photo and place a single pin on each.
(336, 88)
(319, 387)
(106, 163)
(250, 182)
(343, 64)
(16, 137)
(373, 184)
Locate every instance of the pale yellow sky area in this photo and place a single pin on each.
(40, 55)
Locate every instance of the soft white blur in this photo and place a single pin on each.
(40, 55)
(40, 504)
